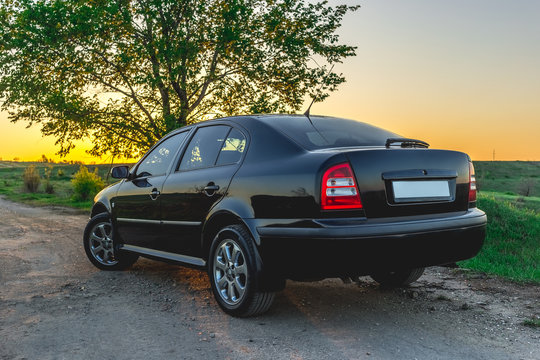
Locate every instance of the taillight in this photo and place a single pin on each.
(339, 190)
(472, 183)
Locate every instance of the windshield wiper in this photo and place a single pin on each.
(407, 143)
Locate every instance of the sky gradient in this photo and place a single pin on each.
(461, 75)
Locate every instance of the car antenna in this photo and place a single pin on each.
(307, 111)
(313, 99)
(309, 108)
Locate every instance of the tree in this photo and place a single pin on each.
(126, 72)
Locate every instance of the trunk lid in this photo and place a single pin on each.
(403, 182)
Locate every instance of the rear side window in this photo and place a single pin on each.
(204, 147)
(232, 149)
(330, 132)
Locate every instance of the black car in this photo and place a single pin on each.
(256, 200)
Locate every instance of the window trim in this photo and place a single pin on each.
(195, 129)
(135, 168)
(224, 143)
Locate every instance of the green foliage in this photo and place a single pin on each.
(530, 203)
(31, 179)
(126, 72)
(60, 173)
(532, 323)
(49, 188)
(11, 178)
(86, 184)
(512, 246)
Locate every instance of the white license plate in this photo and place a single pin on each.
(421, 190)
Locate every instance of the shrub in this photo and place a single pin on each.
(49, 188)
(31, 179)
(47, 172)
(60, 173)
(86, 184)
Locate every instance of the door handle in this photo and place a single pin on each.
(211, 189)
(154, 194)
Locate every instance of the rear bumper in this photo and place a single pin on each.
(338, 247)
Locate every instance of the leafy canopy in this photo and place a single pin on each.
(126, 72)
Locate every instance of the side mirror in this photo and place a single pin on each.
(120, 172)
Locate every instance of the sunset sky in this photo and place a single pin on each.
(461, 75)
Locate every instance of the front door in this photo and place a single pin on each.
(136, 208)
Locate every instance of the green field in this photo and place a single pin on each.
(509, 192)
(11, 184)
(509, 177)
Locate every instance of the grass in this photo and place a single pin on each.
(532, 323)
(518, 201)
(512, 245)
(11, 184)
(508, 177)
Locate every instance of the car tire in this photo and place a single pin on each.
(397, 278)
(99, 246)
(233, 273)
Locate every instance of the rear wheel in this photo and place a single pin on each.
(232, 272)
(397, 278)
(99, 247)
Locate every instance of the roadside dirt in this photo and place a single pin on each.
(55, 305)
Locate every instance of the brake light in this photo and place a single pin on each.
(472, 183)
(338, 190)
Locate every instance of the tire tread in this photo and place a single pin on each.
(125, 260)
(258, 302)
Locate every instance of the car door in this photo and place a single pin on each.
(208, 164)
(136, 207)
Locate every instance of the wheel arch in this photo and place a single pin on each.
(217, 221)
(99, 208)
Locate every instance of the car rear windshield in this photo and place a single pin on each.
(328, 132)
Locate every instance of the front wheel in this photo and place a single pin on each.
(397, 278)
(99, 247)
(232, 273)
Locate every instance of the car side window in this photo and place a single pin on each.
(159, 159)
(204, 147)
(232, 149)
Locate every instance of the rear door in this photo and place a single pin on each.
(201, 179)
(136, 207)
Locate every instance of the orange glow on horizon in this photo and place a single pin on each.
(466, 135)
(28, 144)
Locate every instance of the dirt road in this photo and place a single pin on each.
(55, 305)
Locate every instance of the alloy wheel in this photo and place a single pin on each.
(101, 244)
(230, 272)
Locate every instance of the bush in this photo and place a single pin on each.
(31, 179)
(60, 173)
(49, 188)
(86, 184)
